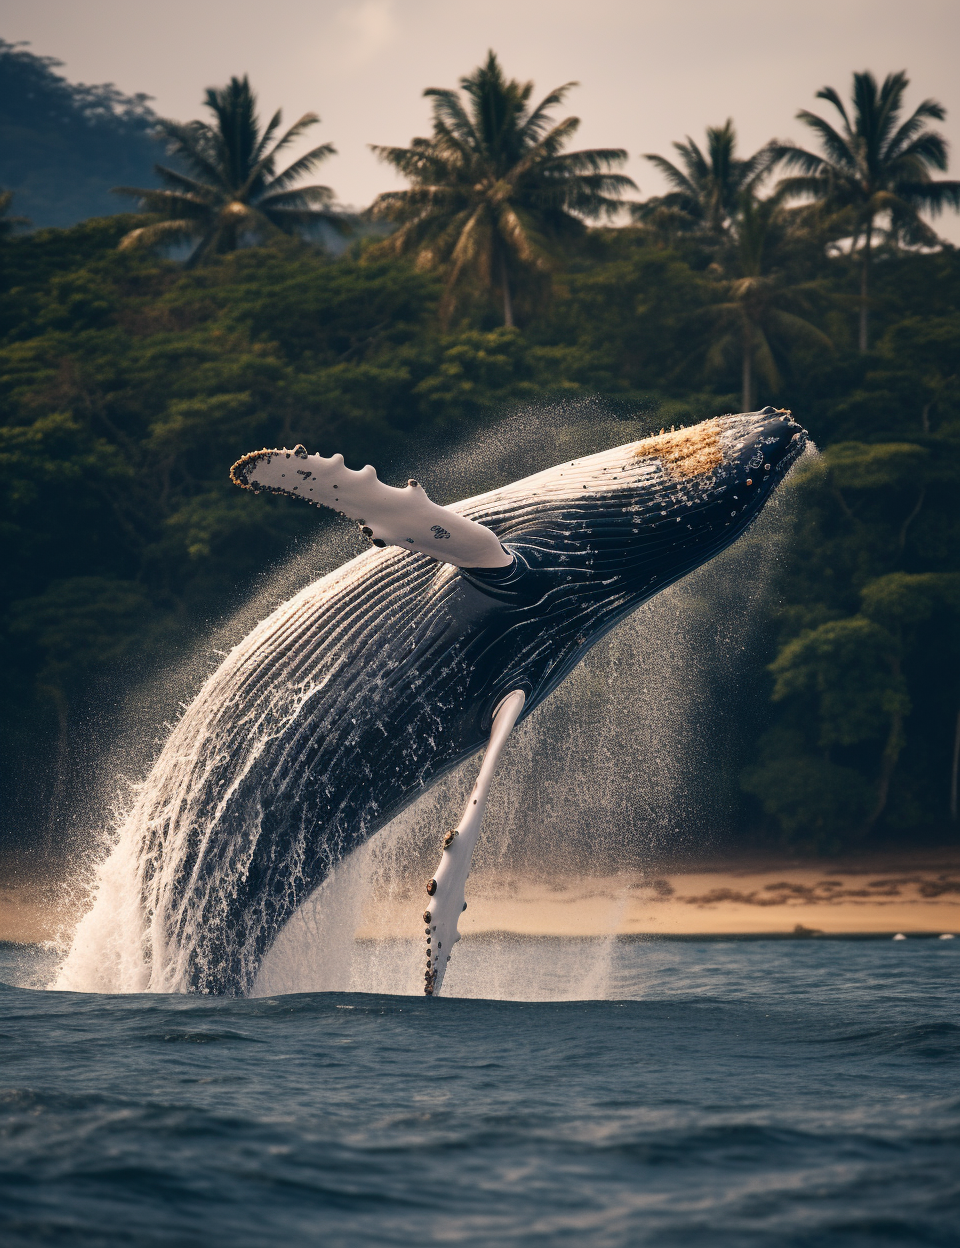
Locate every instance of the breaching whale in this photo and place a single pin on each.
(343, 705)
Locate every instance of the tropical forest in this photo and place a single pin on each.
(174, 294)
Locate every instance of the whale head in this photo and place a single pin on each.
(593, 538)
(647, 503)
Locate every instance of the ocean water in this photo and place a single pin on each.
(720, 1092)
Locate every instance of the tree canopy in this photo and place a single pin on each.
(235, 190)
(129, 383)
(874, 169)
(493, 190)
(708, 185)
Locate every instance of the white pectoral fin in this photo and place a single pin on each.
(446, 889)
(388, 516)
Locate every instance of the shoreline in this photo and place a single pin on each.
(917, 894)
(878, 896)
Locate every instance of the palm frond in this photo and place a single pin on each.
(672, 174)
(512, 230)
(928, 149)
(179, 181)
(933, 196)
(448, 109)
(695, 161)
(536, 123)
(195, 144)
(793, 157)
(797, 327)
(911, 128)
(170, 204)
(467, 243)
(267, 135)
(547, 148)
(158, 232)
(298, 128)
(301, 166)
(815, 185)
(589, 161)
(755, 168)
(828, 93)
(298, 196)
(837, 147)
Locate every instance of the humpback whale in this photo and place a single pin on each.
(345, 703)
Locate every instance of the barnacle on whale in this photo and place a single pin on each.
(689, 452)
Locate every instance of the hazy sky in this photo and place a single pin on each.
(650, 71)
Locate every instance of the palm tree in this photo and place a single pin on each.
(234, 191)
(760, 312)
(708, 187)
(492, 189)
(874, 166)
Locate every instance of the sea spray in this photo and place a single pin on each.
(615, 769)
(128, 944)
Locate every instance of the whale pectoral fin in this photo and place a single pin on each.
(388, 516)
(446, 889)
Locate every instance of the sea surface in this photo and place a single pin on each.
(794, 1092)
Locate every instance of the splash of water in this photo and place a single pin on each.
(597, 778)
(617, 763)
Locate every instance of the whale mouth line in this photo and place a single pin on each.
(795, 448)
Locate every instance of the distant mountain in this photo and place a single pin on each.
(63, 145)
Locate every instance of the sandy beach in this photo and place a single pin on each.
(874, 895)
(777, 899)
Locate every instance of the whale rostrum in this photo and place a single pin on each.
(348, 701)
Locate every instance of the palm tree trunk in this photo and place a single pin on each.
(891, 753)
(747, 376)
(955, 771)
(865, 287)
(902, 539)
(505, 283)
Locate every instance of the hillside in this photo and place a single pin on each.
(64, 145)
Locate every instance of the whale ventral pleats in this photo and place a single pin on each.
(689, 452)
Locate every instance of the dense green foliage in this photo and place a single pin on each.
(129, 384)
(63, 145)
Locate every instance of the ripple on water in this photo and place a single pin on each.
(789, 1093)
